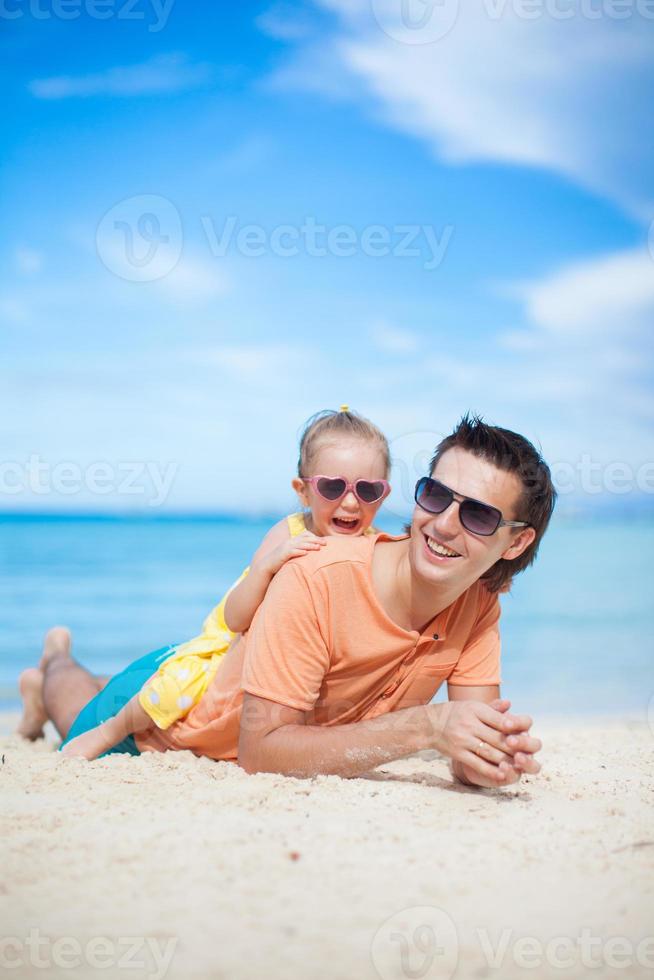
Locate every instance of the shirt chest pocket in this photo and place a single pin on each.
(421, 687)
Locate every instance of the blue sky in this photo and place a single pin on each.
(514, 152)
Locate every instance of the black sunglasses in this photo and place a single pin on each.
(476, 517)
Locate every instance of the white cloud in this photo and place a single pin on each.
(284, 22)
(165, 73)
(393, 340)
(586, 348)
(613, 294)
(251, 153)
(576, 375)
(256, 363)
(315, 68)
(569, 95)
(28, 261)
(14, 310)
(17, 292)
(195, 280)
(588, 329)
(520, 340)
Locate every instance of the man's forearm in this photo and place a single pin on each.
(343, 750)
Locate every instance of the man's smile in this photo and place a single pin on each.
(438, 550)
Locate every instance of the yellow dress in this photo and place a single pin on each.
(183, 678)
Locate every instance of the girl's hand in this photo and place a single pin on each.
(293, 548)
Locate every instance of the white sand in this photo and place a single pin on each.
(267, 877)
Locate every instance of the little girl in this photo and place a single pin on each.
(343, 468)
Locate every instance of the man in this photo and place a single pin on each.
(351, 643)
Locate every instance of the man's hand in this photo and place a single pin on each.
(488, 746)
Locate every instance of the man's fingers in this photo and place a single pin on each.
(492, 737)
(490, 746)
(510, 743)
(516, 723)
(476, 779)
(509, 775)
(513, 752)
(506, 723)
(521, 761)
(490, 772)
(526, 763)
(488, 752)
(480, 773)
(523, 743)
(509, 746)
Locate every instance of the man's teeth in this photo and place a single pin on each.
(440, 549)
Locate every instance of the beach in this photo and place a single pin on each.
(194, 869)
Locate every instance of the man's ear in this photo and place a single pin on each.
(300, 488)
(519, 544)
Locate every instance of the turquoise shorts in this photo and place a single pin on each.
(115, 696)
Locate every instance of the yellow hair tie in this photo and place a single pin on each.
(344, 408)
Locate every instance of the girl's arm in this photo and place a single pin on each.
(275, 549)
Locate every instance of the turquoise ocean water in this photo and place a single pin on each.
(577, 629)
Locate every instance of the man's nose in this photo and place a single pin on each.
(447, 522)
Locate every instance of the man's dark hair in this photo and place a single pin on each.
(512, 453)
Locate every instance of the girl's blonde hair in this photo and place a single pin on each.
(329, 426)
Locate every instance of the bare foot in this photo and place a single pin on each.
(34, 715)
(56, 643)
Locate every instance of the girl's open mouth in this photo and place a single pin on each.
(346, 525)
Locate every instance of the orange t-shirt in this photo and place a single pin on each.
(321, 642)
